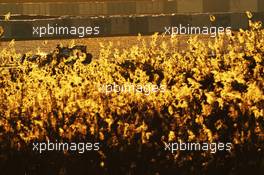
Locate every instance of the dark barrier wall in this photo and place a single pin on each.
(21, 27)
(125, 7)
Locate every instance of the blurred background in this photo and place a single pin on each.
(118, 7)
(125, 17)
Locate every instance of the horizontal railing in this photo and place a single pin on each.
(22, 27)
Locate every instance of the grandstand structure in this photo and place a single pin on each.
(125, 17)
(122, 7)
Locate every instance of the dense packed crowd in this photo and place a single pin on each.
(214, 93)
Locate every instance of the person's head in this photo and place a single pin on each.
(1, 31)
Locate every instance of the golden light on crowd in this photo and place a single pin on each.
(213, 87)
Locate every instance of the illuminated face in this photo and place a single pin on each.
(1, 31)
